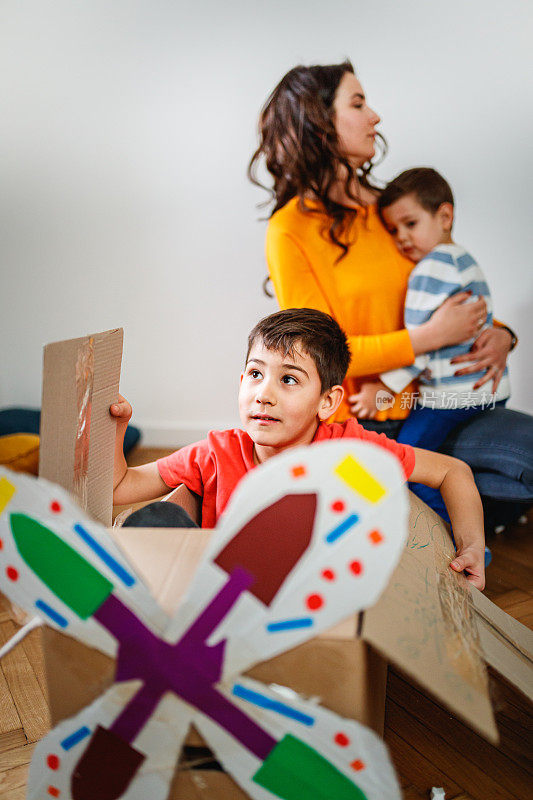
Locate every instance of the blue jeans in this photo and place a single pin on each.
(428, 428)
(498, 446)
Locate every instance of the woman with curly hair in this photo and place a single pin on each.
(327, 248)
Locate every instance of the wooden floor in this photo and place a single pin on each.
(428, 746)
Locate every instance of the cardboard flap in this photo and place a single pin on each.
(507, 644)
(165, 558)
(425, 623)
(80, 381)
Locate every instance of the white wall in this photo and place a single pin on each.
(126, 130)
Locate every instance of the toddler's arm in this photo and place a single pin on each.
(454, 479)
(132, 484)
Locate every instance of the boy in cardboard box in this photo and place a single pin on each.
(291, 384)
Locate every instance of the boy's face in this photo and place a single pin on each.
(281, 399)
(415, 230)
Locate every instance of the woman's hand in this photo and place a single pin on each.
(455, 321)
(489, 352)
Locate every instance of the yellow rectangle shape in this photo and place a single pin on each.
(7, 490)
(359, 479)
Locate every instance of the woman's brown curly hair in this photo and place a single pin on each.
(300, 146)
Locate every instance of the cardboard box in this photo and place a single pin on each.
(80, 381)
(428, 621)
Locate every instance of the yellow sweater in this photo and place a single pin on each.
(364, 291)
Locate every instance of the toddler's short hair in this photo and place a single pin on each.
(429, 188)
(317, 333)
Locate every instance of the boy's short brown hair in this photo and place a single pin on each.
(317, 333)
(428, 186)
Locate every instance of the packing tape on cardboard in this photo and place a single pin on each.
(457, 607)
(84, 393)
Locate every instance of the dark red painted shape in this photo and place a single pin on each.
(270, 545)
(106, 767)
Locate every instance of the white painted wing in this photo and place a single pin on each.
(24, 498)
(57, 755)
(357, 537)
(357, 757)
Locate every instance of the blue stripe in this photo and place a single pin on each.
(432, 285)
(106, 557)
(477, 287)
(451, 352)
(341, 529)
(76, 737)
(54, 615)
(417, 316)
(272, 705)
(465, 261)
(289, 624)
(459, 379)
(436, 255)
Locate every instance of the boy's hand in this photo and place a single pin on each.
(363, 403)
(121, 411)
(472, 561)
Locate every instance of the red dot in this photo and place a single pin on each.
(12, 574)
(55, 507)
(338, 506)
(357, 765)
(356, 567)
(53, 791)
(1, 544)
(314, 602)
(53, 762)
(342, 740)
(328, 574)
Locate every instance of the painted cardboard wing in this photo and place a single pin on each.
(308, 538)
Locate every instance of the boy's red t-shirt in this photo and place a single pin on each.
(213, 467)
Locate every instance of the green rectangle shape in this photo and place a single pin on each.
(67, 574)
(294, 770)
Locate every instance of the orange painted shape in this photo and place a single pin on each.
(299, 471)
(357, 765)
(53, 791)
(375, 537)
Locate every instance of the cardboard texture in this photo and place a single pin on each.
(427, 621)
(80, 381)
(507, 644)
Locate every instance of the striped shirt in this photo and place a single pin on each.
(445, 271)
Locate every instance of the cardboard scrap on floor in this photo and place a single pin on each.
(427, 621)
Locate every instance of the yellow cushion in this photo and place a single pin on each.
(20, 452)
